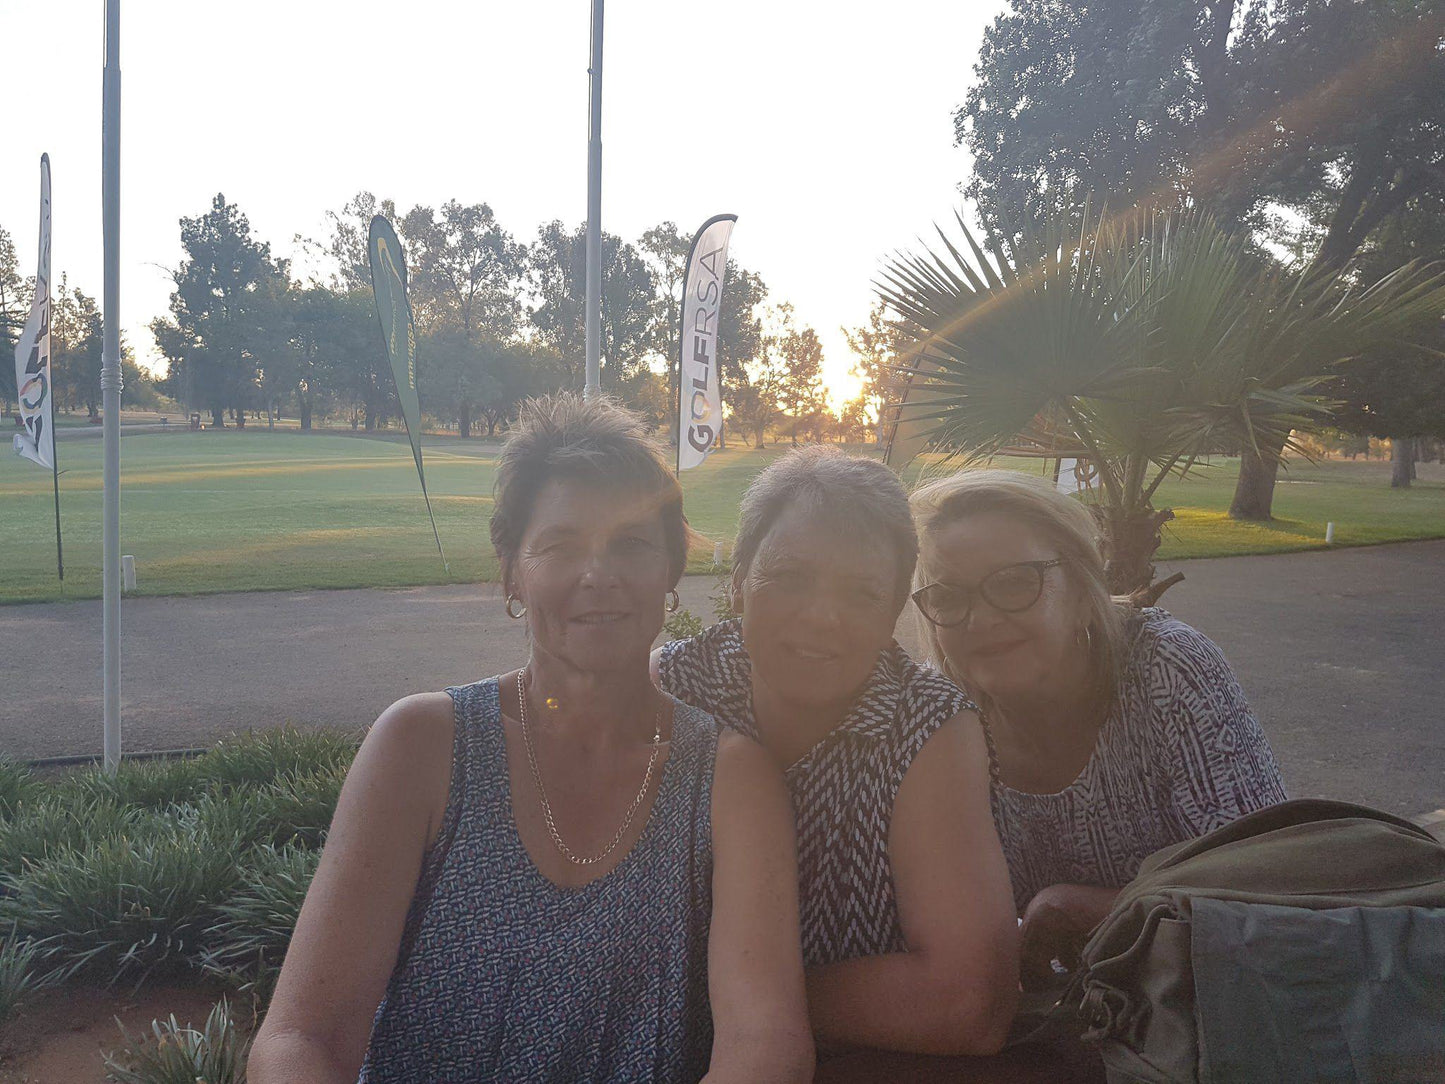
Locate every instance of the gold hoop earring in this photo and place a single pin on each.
(513, 614)
(674, 601)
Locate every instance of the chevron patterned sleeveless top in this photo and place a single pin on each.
(502, 975)
(843, 788)
(1179, 755)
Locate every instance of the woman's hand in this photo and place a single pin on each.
(1057, 923)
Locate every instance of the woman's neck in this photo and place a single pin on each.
(1053, 722)
(606, 704)
(789, 730)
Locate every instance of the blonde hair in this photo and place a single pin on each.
(1060, 520)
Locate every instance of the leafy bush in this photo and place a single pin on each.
(262, 757)
(682, 625)
(143, 784)
(123, 903)
(216, 1054)
(248, 944)
(52, 821)
(18, 974)
(17, 785)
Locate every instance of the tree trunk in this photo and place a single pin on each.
(305, 417)
(464, 420)
(1402, 462)
(218, 417)
(1254, 492)
(1130, 543)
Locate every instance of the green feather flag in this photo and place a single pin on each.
(398, 329)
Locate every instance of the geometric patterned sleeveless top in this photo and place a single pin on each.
(843, 789)
(1180, 754)
(502, 975)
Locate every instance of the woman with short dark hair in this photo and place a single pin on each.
(907, 925)
(550, 874)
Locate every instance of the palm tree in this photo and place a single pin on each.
(1142, 342)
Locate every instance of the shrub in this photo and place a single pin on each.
(143, 784)
(17, 786)
(126, 901)
(295, 809)
(52, 821)
(248, 944)
(216, 1054)
(682, 625)
(261, 757)
(18, 975)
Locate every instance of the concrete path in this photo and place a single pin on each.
(1340, 653)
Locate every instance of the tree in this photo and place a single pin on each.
(880, 345)
(1393, 391)
(1332, 109)
(225, 294)
(14, 307)
(1142, 345)
(76, 345)
(754, 406)
(557, 264)
(464, 271)
(350, 230)
(799, 354)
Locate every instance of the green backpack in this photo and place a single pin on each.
(1304, 942)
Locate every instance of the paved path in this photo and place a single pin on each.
(1340, 653)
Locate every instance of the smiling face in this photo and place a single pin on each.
(1006, 655)
(592, 570)
(818, 605)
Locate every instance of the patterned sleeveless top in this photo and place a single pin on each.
(502, 975)
(843, 788)
(1179, 755)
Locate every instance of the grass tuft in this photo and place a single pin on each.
(19, 975)
(17, 786)
(172, 1054)
(127, 901)
(248, 943)
(262, 757)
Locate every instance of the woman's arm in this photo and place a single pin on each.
(755, 962)
(350, 927)
(955, 989)
(1220, 765)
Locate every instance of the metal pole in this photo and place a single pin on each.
(110, 379)
(594, 209)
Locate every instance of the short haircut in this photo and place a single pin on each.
(1060, 520)
(598, 441)
(851, 491)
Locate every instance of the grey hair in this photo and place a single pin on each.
(597, 441)
(852, 491)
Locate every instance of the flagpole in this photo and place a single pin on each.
(110, 381)
(594, 209)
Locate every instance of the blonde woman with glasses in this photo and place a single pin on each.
(1113, 732)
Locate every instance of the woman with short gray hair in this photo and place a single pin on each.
(907, 925)
(558, 873)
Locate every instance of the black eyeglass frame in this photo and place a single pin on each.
(978, 592)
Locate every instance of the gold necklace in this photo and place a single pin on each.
(557, 840)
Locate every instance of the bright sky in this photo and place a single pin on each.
(826, 128)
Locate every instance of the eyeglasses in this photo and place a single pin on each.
(1011, 589)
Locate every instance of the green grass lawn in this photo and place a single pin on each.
(242, 511)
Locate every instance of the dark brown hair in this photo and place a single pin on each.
(599, 441)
